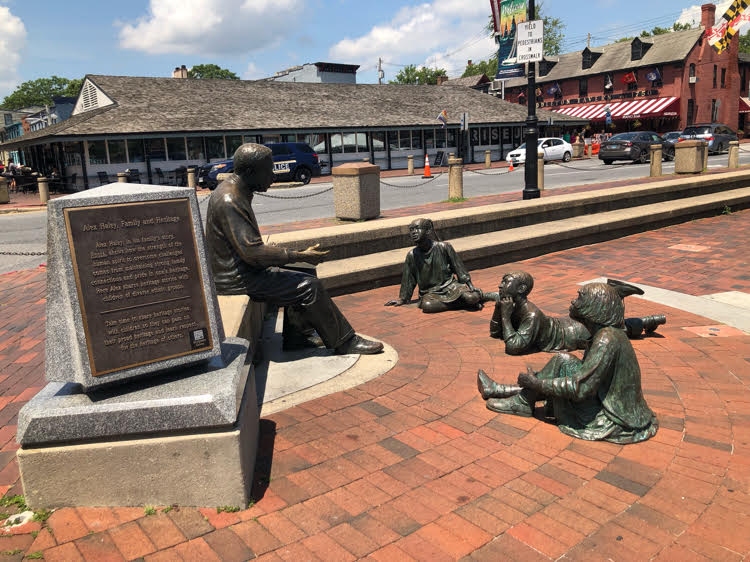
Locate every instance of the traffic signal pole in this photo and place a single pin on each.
(531, 185)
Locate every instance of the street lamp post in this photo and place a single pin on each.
(531, 186)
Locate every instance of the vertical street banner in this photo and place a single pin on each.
(512, 13)
(495, 4)
(733, 19)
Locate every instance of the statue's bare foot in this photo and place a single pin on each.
(490, 389)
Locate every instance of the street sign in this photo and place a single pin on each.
(464, 121)
(530, 41)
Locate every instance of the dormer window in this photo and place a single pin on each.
(546, 65)
(638, 48)
(589, 57)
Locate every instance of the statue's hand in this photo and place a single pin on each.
(312, 255)
(396, 302)
(529, 380)
(506, 305)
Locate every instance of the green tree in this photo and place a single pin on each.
(41, 91)
(211, 71)
(410, 74)
(745, 43)
(554, 32)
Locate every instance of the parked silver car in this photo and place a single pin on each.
(716, 135)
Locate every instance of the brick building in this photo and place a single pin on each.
(660, 83)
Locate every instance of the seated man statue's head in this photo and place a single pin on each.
(253, 163)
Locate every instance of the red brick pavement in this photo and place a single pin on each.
(411, 466)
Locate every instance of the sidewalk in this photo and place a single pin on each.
(412, 466)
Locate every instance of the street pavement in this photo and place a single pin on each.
(411, 466)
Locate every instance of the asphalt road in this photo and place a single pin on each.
(26, 232)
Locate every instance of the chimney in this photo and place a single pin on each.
(441, 80)
(180, 72)
(469, 63)
(708, 16)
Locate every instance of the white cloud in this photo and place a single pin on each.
(692, 15)
(211, 26)
(252, 72)
(446, 32)
(12, 41)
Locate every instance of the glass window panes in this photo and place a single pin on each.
(215, 148)
(474, 136)
(195, 148)
(71, 153)
(135, 150)
(494, 135)
(337, 143)
(253, 138)
(350, 142)
(97, 152)
(429, 139)
(416, 140)
(393, 139)
(317, 142)
(378, 141)
(117, 152)
(156, 150)
(176, 148)
(233, 143)
(404, 140)
(440, 138)
(452, 135)
(484, 136)
(362, 142)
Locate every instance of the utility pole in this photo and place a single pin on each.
(381, 74)
(531, 189)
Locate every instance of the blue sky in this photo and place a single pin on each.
(256, 38)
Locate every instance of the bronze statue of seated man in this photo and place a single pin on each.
(597, 399)
(526, 329)
(242, 264)
(434, 267)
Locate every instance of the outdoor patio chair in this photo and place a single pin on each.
(103, 178)
(135, 176)
(160, 176)
(180, 176)
(70, 182)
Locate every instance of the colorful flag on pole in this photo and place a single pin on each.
(654, 75)
(608, 82)
(443, 118)
(629, 78)
(733, 19)
(554, 89)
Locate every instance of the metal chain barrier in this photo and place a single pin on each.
(505, 171)
(412, 185)
(294, 196)
(607, 168)
(23, 253)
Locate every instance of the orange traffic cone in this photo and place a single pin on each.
(511, 167)
(427, 173)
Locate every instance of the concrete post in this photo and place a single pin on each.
(356, 191)
(656, 155)
(705, 156)
(43, 184)
(192, 179)
(487, 159)
(410, 164)
(540, 171)
(122, 177)
(455, 178)
(4, 196)
(451, 155)
(734, 154)
(689, 157)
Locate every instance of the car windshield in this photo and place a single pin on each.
(697, 131)
(623, 136)
(670, 136)
(524, 144)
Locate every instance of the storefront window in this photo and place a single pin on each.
(176, 148)
(195, 148)
(215, 148)
(135, 150)
(484, 136)
(156, 150)
(337, 144)
(474, 137)
(416, 140)
(317, 142)
(440, 138)
(97, 152)
(429, 139)
(117, 152)
(494, 135)
(350, 143)
(378, 141)
(257, 139)
(71, 153)
(404, 140)
(452, 133)
(362, 142)
(393, 140)
(234, 142)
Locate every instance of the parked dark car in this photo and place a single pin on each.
(635, 146)
(291, 161)
(717, 135)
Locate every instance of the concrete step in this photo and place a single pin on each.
(372, 237)
(493, 248)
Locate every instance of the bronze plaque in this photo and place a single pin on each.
(139, 282)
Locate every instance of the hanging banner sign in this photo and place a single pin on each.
(495, 5)
(735, 17)
(512, 13)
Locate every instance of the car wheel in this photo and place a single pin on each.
(566, 157)
(668, 154)
(303, 175)
(642, 157)
(607, 162)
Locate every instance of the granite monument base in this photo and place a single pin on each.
(189, 439)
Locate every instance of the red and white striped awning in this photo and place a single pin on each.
(744, 105)
(634, 109)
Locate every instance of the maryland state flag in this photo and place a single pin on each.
(735, 17)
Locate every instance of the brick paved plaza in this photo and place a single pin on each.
(412, 466)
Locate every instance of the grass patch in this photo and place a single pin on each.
(455, 200)
(38, 555)
(34, 534)
(19, 502)
(148, 510)
(41, 515)
(167, 509)
(727, 210)
(11, 552)
(227, 509)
